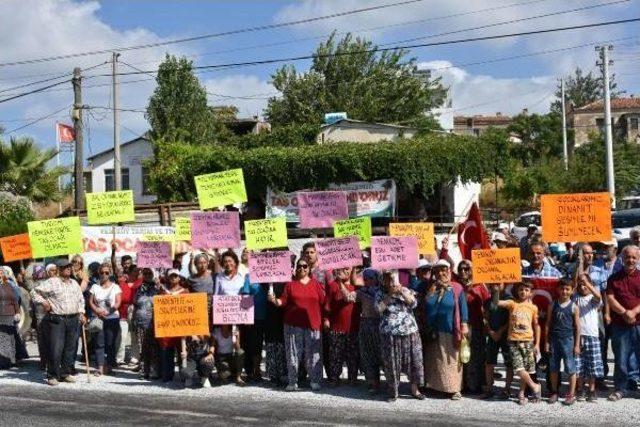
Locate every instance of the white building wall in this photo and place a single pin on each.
(359, 133)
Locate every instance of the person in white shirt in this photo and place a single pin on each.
(229, 281)
(229, 357)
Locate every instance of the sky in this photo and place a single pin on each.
(505, 75)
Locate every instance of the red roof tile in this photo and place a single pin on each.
(616, 104)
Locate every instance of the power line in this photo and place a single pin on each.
(38, 120)
(20, 95)
(213, 35)
(60, 76)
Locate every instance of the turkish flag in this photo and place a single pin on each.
(65, 133)
(471, 234)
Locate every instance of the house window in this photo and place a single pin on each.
(633, 123)
(88, 183)
(146, 182)
(110, 179)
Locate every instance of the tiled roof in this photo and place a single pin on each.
(482, 120)
(616, 104)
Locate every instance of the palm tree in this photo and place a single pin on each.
(24, 171)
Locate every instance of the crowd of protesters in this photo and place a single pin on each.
(434, 324)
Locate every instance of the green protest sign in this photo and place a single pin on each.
(110, 207)
(220, 189)
(55, 237)
(359, 227)
(183, 229)
(266, 233)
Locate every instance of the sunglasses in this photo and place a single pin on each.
(302, 266)
(104, 273)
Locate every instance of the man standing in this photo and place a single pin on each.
(538, 264)
(623, 297)
(524, 242)
(634, 236)
(62, 300)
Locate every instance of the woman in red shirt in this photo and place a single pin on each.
(302, 301)
(129, 284)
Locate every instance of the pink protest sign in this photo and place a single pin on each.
(211, 230)
(389, 253)
(271, 266)
(233, 310)
(338, 253)
(321, 208)
(154, 255)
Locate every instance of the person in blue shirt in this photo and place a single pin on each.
(538, 265)
(253, 335)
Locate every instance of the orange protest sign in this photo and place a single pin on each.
(15, 248)
(180, 315)
(582, 217)
(424, 231)
(496, 265)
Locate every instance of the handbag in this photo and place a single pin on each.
(465, 351)
(95, 325)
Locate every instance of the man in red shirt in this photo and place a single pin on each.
(623, 297)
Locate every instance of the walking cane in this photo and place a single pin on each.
(86, 353)
(183, 352)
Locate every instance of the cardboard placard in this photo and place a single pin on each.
(424, 231)
(154, 255)
(496, 265)
(211, 230)
(15, 248)
(220, 189)
(319, 209)
(55, 237)
(233, 310)
(110, 207)
(581, 217)
(338, 253)
(270, 266)
(183, 229)
(180, 315)
(359, 227)
(266, 233)
(390, 253)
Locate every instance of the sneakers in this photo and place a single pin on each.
(581, 396)
(292, 387)
(69, 379)
(206, 383)
(315, 387)
(51, 381)
(592, 397)
(569, 399)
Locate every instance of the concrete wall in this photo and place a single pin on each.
(362, 132)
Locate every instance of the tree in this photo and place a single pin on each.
(15, 211)
(540, 136)
(346, 75)
(581, 89)
(24, 171)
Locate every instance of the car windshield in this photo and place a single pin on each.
(626, 221)
(524, 221)
(629, 204)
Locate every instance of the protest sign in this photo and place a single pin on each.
(110, 207)
(581, 217)
(161, 237)
(154, 255)
(220, 189)
(376, 199)
(183, 229)
(338, 253)
(180, 315)
(422, 230)
(211, 230)
(496, 265)
(394, 252)
(359, 227)
(320, 209)
(233, 310)
(270, 266)
(15, 248)
(266, 233)
(54, 237)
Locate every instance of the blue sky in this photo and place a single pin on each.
(43, 28)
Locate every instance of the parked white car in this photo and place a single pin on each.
(523, 221)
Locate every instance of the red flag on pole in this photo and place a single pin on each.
(65, 133)
(471, 234)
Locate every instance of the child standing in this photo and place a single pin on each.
(229, 356)
(524, 338)
(496, 322)
(563, 340)
(589, 363)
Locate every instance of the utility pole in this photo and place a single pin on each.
(117, 170)
(564, 127)
(608, 132)
(79, 148)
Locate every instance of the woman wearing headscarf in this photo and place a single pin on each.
(202, 280)
(303, 301)
(399, 337)
(9, 315)
(447, 317)
(143, 322)
(21, 349)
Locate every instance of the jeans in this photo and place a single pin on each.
(625, 341)
(62, 345)
(105, 342)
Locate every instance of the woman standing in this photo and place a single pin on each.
(276, 362)
(399, 337)
(9, 315)
(143, 322)
(202, 281)
(447, 317)
(168, 345)
(104, 302)
(302, 300)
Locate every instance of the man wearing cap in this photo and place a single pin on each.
(62, 300)
(500, 241)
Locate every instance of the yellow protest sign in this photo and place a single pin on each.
(220, 189)
(422, 230)
(266, 233)
(359, 227)
(54, 237)
(496, 265)
(180, 315)
(183, 229)
(581, 217)
(110, 207)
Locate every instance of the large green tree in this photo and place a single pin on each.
(581, 89)
(540, 136)
(24, 171)
(347, 75)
